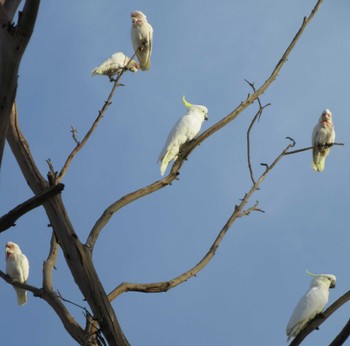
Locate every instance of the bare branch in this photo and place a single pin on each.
(13, 42)
(187, 148)
(237, 213)
(319, 319)
(342, 336)
(9, 219)
(256, 117)
(76, 255)
(101, 113)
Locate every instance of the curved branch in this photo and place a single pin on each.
(239, 211)
(187, 148)
(319, 319)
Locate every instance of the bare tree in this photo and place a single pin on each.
(102, 326)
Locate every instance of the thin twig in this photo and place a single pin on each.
(101, 113)
(315, 147)
(187, 148)
(256, 117)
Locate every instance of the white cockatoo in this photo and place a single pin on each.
(17, 267)
(322, 134)
(115, 64)
(311, 304)
(141, 37)
(183, 131)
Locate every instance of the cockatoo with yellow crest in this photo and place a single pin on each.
(322, 134)
(142, 38)
(17, 267)
(311, 304)
(115, 64)
(183, 131)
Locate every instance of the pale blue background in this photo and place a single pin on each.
(205, 50)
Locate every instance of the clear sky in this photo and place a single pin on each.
(204, 50)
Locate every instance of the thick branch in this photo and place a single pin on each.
(10, 6)
(78, 259)
(319, 319)
(13, 42)
(189, 147)
(9, 219)
(167, 285)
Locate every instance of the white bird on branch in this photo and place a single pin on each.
(115, 64)
(17, 267)
(323, 136)
(183, 131)
(142, 37)
(311, 304)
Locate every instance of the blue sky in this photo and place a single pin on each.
(205, 50)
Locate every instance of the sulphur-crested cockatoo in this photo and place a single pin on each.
(183, 131)
(322, 134)
(141, 37)
(311, 304)
(115, 64)
(17, 267)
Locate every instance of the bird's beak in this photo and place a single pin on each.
(206, 118)
(332, 285)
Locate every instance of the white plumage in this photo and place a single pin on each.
(115, 64)
(183, 131)
(17, 267)
(311, 304)
(322, 134)
(142, 37)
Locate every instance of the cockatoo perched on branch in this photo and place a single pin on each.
(183, 131)
(17, 267)
(115, 64)
(311, 304)
(322, 134)
(141, 37)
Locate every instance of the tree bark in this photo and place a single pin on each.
(13, 42)
(78, 256)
